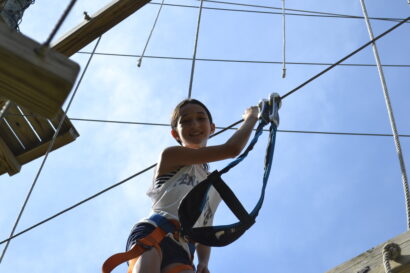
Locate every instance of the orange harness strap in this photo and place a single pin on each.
(151, 240)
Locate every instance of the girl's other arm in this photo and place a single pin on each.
(204, 253)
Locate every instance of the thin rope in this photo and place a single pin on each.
(195, 49)
(345, 58)
(231, 128)
(390, 251)
(391, 115)
(50, 146)
(59, 23)
(239, 61)
(150, 34)
(284, 40)
(314, 13)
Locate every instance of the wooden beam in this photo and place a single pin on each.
(100, 22)
(371, 261)
(39, 82)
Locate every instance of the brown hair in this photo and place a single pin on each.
(176, 113)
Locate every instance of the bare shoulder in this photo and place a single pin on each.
(166, 163)
(175, 157)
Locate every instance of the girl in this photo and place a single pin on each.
(179, 169)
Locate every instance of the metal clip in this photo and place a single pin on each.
(275, 103)
(264, 110)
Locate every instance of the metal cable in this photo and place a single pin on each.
(233, 128)
(50, 146)
(59, 23)
(284, 40)
(391, 115)
(345, 58)
(150, 34)
(315, 14)
(238, 61)
(195, 49)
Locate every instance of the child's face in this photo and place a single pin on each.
(193, 126)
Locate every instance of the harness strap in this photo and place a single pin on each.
(151, 240)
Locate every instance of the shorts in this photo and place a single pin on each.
(172, 252)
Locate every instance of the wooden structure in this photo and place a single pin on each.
(371, 261)
(34, 78)
(98, 24)
(25, 136)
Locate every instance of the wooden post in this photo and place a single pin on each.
(371, 261)
(100, 22)
(38, 81)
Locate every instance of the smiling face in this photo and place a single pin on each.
(193, 126)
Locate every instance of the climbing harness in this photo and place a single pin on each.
(192, 204)
(163, 227)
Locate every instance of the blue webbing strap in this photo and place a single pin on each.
(236, 161)
(192, 205)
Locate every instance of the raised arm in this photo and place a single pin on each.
(176, 156)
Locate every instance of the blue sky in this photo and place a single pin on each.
(329, 198)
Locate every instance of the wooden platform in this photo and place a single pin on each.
(34, 78)
(25, 137)
(372, 260)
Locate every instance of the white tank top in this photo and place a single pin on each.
(166, 197)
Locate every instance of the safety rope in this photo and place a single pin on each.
(59, 23)
(150, 34)
(391, 115)
(284, 40)
(391, 251)
(50, 146)
(195, 49)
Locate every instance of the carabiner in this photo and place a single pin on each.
(275, 103)
(264, 110)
